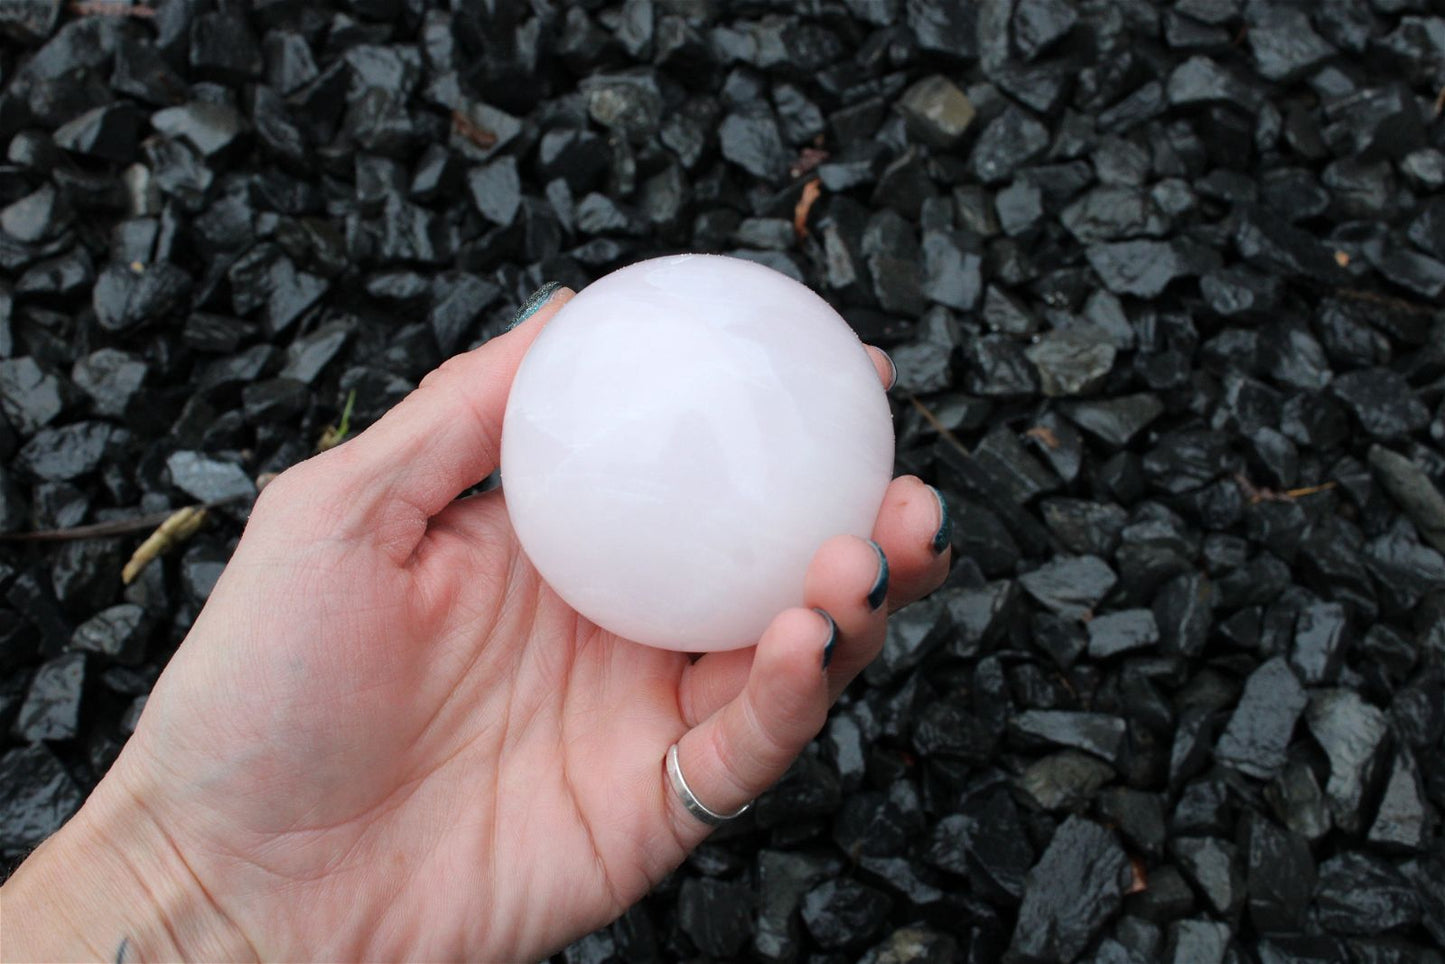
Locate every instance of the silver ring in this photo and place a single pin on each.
(691, 802)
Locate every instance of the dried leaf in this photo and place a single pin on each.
(473, 131)
(811, 192)
(180, 526)
(1045, 435)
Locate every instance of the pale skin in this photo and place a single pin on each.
(386, 738)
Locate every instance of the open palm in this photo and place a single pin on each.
(386, 737)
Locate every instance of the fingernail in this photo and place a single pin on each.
(944, 536)
(879, 592)
(538, 298)
(832, 637)
(892, 372)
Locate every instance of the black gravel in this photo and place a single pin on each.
(1162, 283)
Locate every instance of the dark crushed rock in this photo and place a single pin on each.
(1161, 281)
(1075, 888)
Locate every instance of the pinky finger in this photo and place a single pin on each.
(748, 744)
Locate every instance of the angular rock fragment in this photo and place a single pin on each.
(37, 795)
(1350, 732)
(1071, 893)
(1258, 734)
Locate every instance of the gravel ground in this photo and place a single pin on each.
(1162, 282)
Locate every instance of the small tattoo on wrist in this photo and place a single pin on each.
(120, 952)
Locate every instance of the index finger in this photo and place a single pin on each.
(438, 441)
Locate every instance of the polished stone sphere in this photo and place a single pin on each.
(679, 441)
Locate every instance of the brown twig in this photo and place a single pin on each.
(1257, 494)
(111, 8)
(1386, 301)
(939, 427)
(96, 530)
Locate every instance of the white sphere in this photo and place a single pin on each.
(679, 441)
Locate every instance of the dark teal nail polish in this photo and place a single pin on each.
(538, 298)
(944, 536)
(832, 637)
(879, 592)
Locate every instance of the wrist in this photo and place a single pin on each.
(111, 879)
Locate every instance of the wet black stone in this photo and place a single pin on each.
(1168, 896)
(1350, 731)
(52, 706)
(949, 728)
(36, 217)
(985, 842)
(809, 789)
(1214, 868)
(1064, 781)
(223, 46)
(309, 355)
(37, 795)
(1281, 875)
(1039, 24)
(1113, 633)
(1404, 819)
(1403, 569)
(937, 112)
(952, 269)
(265, 278)
(1284, 45)
(207, 479)
(1083, 527)
(1273, 245)
(1360, 894)
(1115, 421)
(30, 397)
(129, 295)
(1072, 361)
(117, 633)
(749, 138)
(273, 400)
(1007, 313)
(1138, 815)
(1070, 585)
(1145, 268)
(1319, 641)
(458, 303)
(1114, 213)
(29, 23)
(1022, 476)
(496, 190)
(111, 378)
(1258, 734)
(1201, 80)
(1097, 733)
(64, 453)
(107, 132)
(913, 945)
(843, 912)
(913, 633)
(1077, 885)
(783, 878)
(83, 572)
(715, 914)
(1011, 141)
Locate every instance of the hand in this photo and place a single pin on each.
(385, 737)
